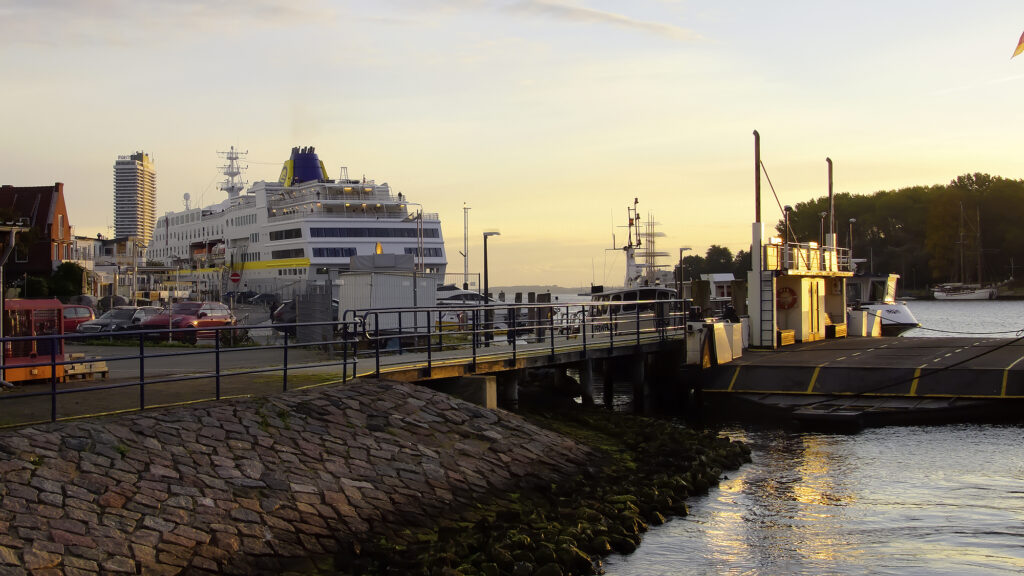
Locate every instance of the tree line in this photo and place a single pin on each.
(926, 234)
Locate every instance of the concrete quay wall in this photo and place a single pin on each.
(237, 486)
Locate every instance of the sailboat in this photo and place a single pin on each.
(962, 290)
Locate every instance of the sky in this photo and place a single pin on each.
(545, 117)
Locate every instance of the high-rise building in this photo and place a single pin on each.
(134, 197)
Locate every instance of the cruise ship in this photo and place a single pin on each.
(279, 237)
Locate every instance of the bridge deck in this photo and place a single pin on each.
(500, 356)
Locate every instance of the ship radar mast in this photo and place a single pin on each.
(644, 273)
(233, 183)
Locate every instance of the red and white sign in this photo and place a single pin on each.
(235, 277)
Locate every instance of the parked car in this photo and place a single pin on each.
(75, 314)
(272, 301)
(191, 315)
(285, 314)
(119, 318)
(238, 297)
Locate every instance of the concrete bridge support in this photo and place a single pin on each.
(478, 389)
(508, 388)
(668, 390)
(608, 394)
(587, 381)
(637, 377)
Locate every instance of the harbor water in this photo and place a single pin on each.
(894, 500)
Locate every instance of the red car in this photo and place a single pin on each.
(191, 315)
(75, 314)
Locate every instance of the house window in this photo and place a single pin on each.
(60, 226)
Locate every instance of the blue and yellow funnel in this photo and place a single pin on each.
(303, 166)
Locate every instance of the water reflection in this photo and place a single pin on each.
(891, 501)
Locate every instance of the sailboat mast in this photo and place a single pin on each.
(963, 271)
(979, 245)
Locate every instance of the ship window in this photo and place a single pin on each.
(283, 254)
(286, 234)
(427, 252)
(372, 232)
(334, 252)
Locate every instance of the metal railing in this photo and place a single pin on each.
(447, 333)
(149, 368)
(192, 359)
(805, 257)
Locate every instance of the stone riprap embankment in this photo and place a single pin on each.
(242, 486)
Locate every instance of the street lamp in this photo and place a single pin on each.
(487, 287)
(785, 240)
(850, 238)
(823, 214)
(681, 275)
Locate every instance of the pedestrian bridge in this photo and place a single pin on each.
(81, 375)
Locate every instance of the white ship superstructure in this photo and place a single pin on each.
(281, 236)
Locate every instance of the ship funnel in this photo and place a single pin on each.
(302, 166)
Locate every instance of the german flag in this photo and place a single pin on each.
(1020, 46)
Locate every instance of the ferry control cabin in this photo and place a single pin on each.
(797, 291)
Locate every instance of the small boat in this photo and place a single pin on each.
(877, 295)
(957, 291)
(962, 290)
(644, 282)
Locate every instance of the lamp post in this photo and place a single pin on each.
(823, 214)
(487, 287)
(682, 276)
(850, 239)
(785, 240)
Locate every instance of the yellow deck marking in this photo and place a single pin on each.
(917, 376)
(734, 376)
(814, 378)
(1006, 373)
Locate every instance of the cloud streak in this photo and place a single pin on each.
(556, 10)
(57, 22)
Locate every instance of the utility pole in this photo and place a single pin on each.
(465, 246)
(11, 229)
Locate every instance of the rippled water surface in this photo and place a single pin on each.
(915, 500)
(998, 318)
(921, 500)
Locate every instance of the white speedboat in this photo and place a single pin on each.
(957, 291)
(877, 295)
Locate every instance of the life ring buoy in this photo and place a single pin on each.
(785, 298)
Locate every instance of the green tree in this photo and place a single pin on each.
(718, 259)
(67, 280)
(741, 264)
(916, 231)
(35, 287)
(693, 267)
